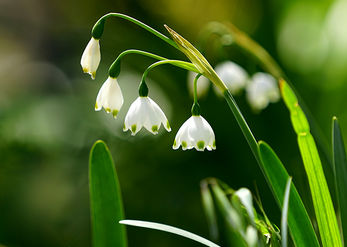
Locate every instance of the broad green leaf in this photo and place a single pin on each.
(105, 199)
(299, 223)
(340, 166)
(284, 218)
(323, 205)
(208, 205)
(171, 229)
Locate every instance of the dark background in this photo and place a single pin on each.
(48, 123)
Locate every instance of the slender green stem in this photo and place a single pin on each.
(114, 69)
(196, 88)
(140, 24)
(196, 107)
(243, 124)
(144, 53)
(177, 63)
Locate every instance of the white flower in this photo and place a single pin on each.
(262, 90)
(196, 133)
(233, 75)
(110, 97)
(91, 57)
(202, 86)
(144, 112)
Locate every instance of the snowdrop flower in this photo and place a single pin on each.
(109, 97)
(91, 57)
(203, 84)
(233, 75)
(144, 112)
(196, 133)
(262, 90)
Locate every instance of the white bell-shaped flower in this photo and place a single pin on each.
(262, 90)
(196, 133)
(110, 97)
(91, 57)
(144, 112)
(202, 86)
(233, 75)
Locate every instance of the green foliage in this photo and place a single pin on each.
(322, 202)
(233, 220)
(298, 221)
(284, 219)
(340, 169)
(105, 199)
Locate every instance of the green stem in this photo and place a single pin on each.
(114, 69)
(137, 22)
(144, 53)
(196, 107)
(243, 125)
(177, 63)
(196, 88)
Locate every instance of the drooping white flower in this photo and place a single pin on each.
(202, 86)
(110, 97)
(233, 75)
(196, 133)
(262, 90)
(144, 112)
(91, 57)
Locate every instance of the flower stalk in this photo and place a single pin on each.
(98, 28)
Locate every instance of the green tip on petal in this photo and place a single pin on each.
(214, 144)
(175, 143)
(133, 128)
(108, 110)
(168, 125)
(124, 128)
(114, 113)
(96, 105)
(184, 144)
(155, 128)
(201, 144)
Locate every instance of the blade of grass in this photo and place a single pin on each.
(340, 167)
(323, 205)
(105, 199)
(171, 229)
(284, 219)
(299, 222)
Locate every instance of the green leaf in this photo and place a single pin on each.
(284, 219)
(171, 229)
(323, 205)
(340, 167)
(105, 199)
(234, 225)
(208, 205)
(299, 223)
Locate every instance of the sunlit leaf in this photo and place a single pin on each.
(322, 203)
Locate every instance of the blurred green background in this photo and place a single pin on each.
(48, 122)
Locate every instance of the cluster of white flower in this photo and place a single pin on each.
(261, 88)
(144, 112)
